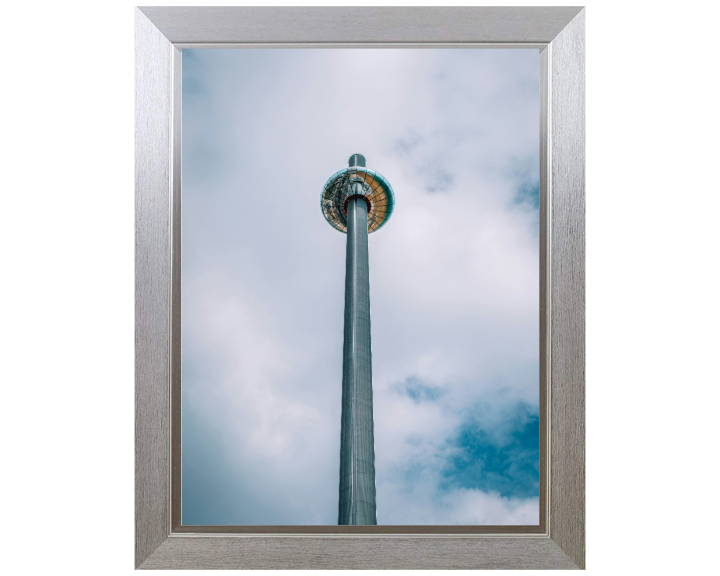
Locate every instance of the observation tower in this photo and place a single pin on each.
(357, 201)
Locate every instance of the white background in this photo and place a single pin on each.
(66, 226)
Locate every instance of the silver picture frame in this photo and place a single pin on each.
(161, 542)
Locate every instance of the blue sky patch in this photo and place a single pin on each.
(420, 392)
(503, 461)
(529, 192)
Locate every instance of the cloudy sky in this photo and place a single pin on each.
(453, 283)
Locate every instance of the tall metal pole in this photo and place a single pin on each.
(358, 201)
(357, 445)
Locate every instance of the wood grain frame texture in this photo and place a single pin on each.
(559, 541)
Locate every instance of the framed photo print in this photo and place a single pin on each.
(359, 288)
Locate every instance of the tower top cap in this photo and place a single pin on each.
(356, 160)
(357, 180)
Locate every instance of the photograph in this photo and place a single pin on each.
(360, 281)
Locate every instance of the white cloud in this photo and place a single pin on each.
(425, 504)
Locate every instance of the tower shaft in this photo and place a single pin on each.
(357, 446)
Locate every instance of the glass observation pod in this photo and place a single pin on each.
(378, 194)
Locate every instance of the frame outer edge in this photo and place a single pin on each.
(567, 437)
(153, 113)
(352, 553)
(351, 24)
(156, 547)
